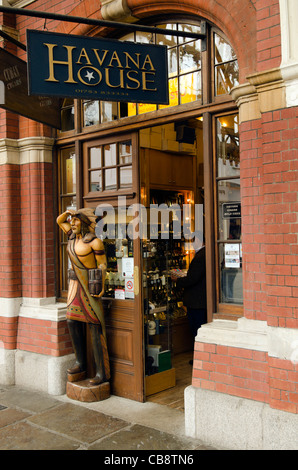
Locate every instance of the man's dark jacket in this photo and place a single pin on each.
(194, 283)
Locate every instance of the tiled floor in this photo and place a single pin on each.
(174, 397)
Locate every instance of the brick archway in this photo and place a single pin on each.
(237, 20)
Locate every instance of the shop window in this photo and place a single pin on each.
(67, 115)
(120, 256)
(67, 201)
(185, 72)
(229, 210)
(110, 167)
(225, 65)
(91, 113)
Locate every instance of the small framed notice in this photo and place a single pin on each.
(232, 255)
(120, 294)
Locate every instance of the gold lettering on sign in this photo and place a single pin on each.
(133, 79)
(121, 83)
(148, 61)
(67, 62)
(132, 71)
(84, 54)
(100, 60)
(135, 62)
(146, 80)
(115, 57)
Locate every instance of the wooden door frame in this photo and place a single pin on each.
(125, 318)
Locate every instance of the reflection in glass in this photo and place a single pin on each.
(226, 66)
(68, 171)
(110, 155)
(229, 193)
(125, 177)
(223, 51)
(67, 115)
(109, 111)
(190, 87)
(147, 38)
(91, 113)
(95, 180)
(125, 155)
(167, 40)
(68, 202)
(230, 258)
(226, 77)
(95, 157)
(228, 156)
(173, 93)
(188, 28)
(111, 179)
(190, 56)
(172, 62)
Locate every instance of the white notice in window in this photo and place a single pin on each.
(232, 255)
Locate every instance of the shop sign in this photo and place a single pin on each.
(96, 68)
(14, 93)
(231, 210)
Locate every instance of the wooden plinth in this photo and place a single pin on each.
(86, 392)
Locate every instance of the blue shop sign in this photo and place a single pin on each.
(96, 68)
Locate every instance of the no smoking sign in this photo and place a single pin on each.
(129, 288)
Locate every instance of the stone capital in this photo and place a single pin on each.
(113, 10)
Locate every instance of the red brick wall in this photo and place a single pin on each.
(269, 205)
(43, 337)
(8, 332)
(268, 34)
(247, 374)
(38, 268)
(235, 371)
(10, 239)
(280, 213)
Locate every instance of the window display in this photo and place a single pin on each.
(162, 301)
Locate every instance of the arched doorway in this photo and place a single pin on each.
(158, 154)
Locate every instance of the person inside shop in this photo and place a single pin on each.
(194, 287)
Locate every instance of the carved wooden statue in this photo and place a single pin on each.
(86, 287)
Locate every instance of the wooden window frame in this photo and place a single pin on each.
(227, 311)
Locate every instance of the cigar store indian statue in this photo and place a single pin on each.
(86, 287)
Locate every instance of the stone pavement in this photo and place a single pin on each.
(31, 420)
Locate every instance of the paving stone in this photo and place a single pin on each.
(139, 437)
(23, 436)
(78, 422)
(27, 399)
(10, 415)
